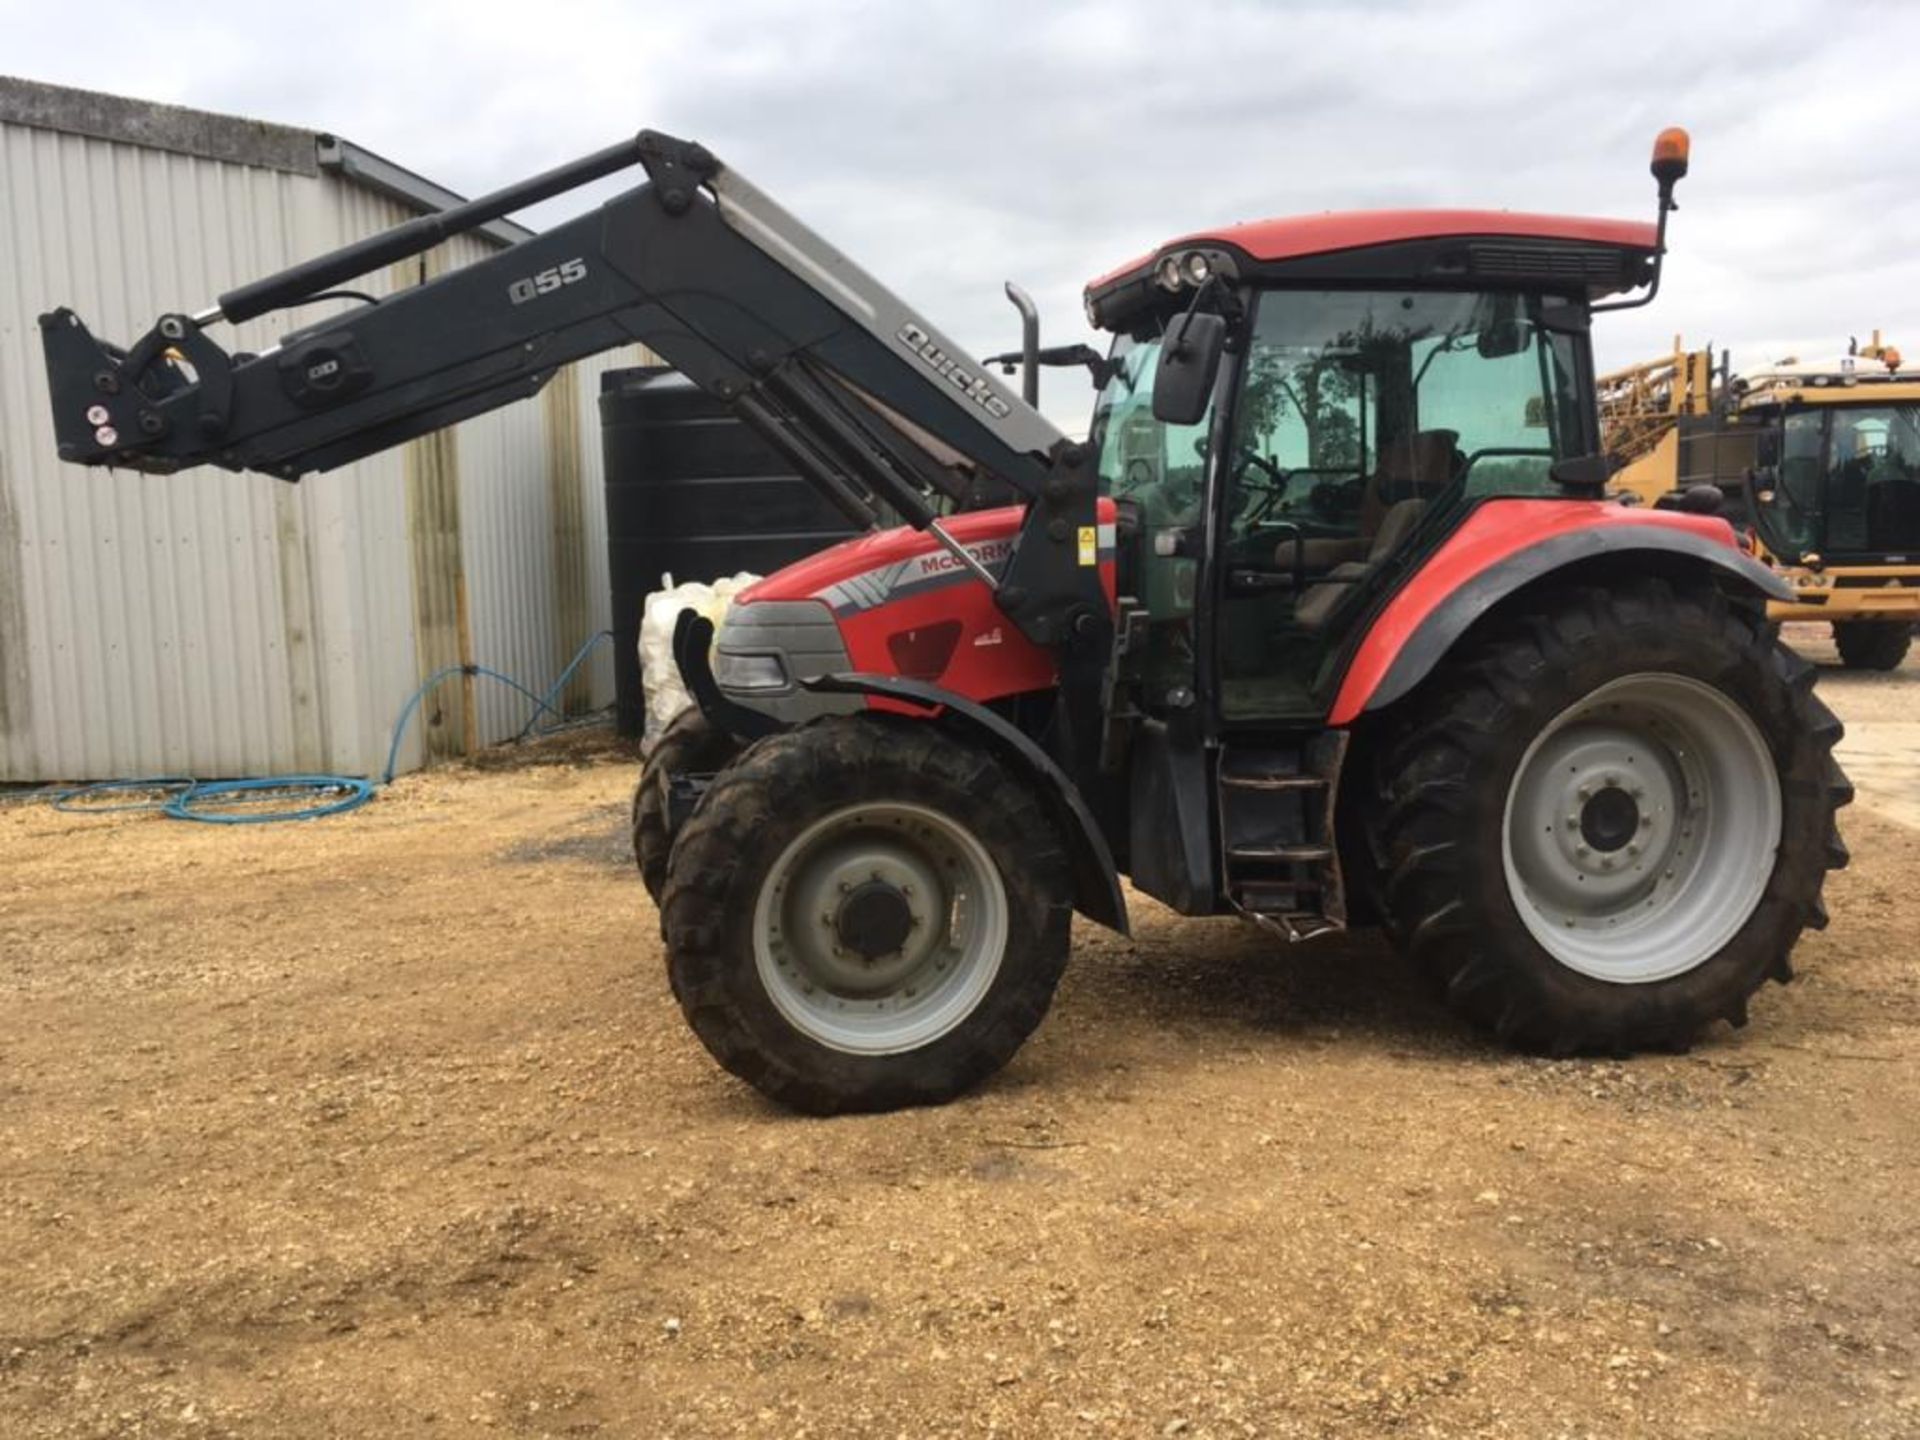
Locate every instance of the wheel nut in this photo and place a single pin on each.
(846, 887)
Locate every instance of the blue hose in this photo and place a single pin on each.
(153, 786)
(542, 704)
(180, 797)
(347, 792)
(553, 691)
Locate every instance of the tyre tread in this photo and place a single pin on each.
(1429, 781)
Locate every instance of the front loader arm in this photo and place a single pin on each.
(718, 280)
(865, 399)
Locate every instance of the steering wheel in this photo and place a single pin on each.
(1254, 498)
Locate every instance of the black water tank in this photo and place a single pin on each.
(693, 493)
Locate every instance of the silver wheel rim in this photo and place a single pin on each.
(1641, 828)
(953, 900)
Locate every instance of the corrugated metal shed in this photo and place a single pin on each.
(215, 624)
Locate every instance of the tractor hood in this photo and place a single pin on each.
(891, 602)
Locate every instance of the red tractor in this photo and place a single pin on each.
(1329, 622)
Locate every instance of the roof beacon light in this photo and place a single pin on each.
(1670, 150)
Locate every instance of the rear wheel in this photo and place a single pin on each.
(688, 746)
(1606, 822)
(1872, 644)
(864, 914)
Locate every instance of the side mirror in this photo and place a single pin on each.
(1189, 361)
(1503, 334)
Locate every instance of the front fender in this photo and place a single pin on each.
(1507, 544)
(1096, 881)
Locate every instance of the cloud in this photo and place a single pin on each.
(949, 148)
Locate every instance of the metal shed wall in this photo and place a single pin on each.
(219, 624)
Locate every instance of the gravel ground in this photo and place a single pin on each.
(387, 1125)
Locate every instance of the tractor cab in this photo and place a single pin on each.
(1836, 460)
(1372, 378)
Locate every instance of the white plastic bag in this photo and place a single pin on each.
(666, 694)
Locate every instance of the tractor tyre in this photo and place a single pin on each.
(1872, 644)
(1605, 822)
(864, 914)
(688, 746)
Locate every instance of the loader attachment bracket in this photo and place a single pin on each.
(110, 403)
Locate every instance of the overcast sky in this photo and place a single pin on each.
(951, 147)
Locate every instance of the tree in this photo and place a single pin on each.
(1323, 392)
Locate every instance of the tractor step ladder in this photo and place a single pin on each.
(1278, 854)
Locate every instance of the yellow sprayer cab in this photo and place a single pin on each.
(1818, 462)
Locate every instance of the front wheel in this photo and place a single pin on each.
(1607, 822)
(864, 914)
(690, 745)
(1872, 644)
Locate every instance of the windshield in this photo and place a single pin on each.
(1160, 467)
(1158, 471)
(1845, 481)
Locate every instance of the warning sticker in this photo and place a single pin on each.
(1089, 545)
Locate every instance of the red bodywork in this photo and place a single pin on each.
(1493, 532)
(1294, 236)
(905, 606)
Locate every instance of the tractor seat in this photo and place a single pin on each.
(1414, 467)
(1317, 605)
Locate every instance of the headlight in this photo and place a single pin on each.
(748, 672)
(1198, 267)
(1168, 273)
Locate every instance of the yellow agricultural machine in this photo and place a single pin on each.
(1817, 463)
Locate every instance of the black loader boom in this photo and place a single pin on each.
(866, 399)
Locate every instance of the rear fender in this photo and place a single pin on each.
(1096, 881)
(1507, 545)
